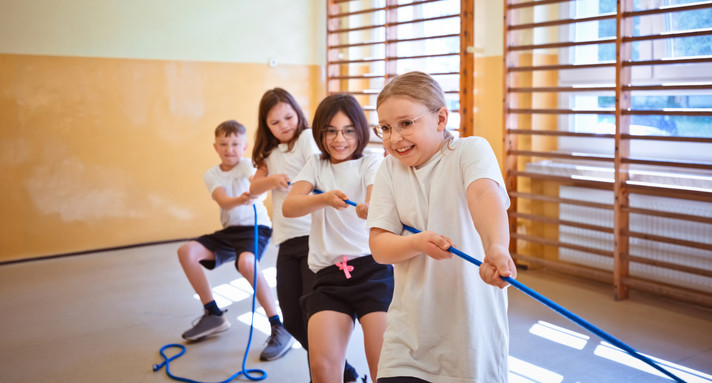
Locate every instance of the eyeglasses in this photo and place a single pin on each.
(331, 133)
(403, 127)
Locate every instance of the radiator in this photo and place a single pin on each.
(668, 227)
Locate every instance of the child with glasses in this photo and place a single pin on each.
(349, 283)
(283, 144)
(446, 322)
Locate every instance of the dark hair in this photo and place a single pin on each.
(265, 141)
(326, 111)
(229, 128)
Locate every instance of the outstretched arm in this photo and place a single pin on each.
(362, 208)
(387, 247)
(300, 201)
(226, 202)
(263, 182)
(490, 218)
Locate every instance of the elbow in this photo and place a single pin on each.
(287, 210)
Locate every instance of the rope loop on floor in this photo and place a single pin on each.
(247, 372)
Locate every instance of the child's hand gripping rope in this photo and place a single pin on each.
(556, 307)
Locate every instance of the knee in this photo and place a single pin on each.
(245, 262)
(184, 253)
(189, 253)
(324, 367)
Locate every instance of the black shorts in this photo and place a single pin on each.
(227, 244)
(370, 289)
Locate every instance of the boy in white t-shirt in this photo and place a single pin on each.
(228, 184)
(447, 324)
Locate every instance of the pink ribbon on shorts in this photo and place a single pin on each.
(345, 267)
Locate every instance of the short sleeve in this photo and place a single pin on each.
(477, 160)
(372, 163)
(308, 172)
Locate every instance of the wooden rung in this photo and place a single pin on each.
(674, 292)
(560, 67)
(545, 198)
(668, 163)
(687, 60)
(669, 35)
(558, 133)
(570, 156)
(563, 89)
(560, 44)
(670, 240)
(667, 214)
(607, 16)
(555, 243)
(560, 111)
(535, 3)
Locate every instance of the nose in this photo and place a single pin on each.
(393, 138)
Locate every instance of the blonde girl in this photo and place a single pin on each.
(446, 323)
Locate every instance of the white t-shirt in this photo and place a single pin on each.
(444, 323)
(281, 161)
(337, 233)
(235, 182)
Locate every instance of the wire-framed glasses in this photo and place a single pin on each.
(403, 127)
(331, 133)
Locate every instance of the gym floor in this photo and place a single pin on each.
(103, 317)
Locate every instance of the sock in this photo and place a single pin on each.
(213, 308)
(274, 321)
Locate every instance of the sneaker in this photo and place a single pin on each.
(277, 344)
(208, 324)
(350, 374)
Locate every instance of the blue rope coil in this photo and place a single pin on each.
(244, 371)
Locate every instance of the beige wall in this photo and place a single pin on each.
(107, 111)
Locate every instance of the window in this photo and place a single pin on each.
(371, 41)
(608, 135)
(662, 109)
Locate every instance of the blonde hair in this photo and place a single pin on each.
(419, 87)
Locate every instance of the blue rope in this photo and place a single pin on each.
(556, 307)
(244, 371)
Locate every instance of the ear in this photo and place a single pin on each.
(443, 115)
(215, 146)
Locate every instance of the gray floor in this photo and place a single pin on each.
(103, 318)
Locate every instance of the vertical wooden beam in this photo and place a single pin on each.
(467, 66)
(391, 34)
(510, 140)
(622, 150)
(332, 24)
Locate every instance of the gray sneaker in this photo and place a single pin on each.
(208, 324)
(277, 344)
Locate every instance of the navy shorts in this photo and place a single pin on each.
(227, 244)
(370, 289)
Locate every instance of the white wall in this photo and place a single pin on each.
(253, 31)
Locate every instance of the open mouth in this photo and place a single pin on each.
(404, 149)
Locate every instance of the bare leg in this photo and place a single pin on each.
(189, 254)
(329, 334)
(374, 325)
(246, 267)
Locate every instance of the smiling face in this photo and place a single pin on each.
(282, 121)
(423, 139)
(341, 148)
(230, 148)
